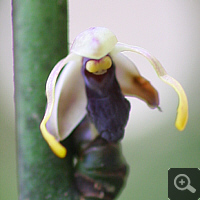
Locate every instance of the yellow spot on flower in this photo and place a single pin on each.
(93, 66)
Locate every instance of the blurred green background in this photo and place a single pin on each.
(170, 30)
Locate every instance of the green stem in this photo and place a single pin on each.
(40, 40)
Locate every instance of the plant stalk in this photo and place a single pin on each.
(40, 41)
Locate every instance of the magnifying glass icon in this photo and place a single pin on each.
(182, 182)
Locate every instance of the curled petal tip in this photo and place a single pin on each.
(181, 121)
(182, 111)
(180, 126)
(58, 149)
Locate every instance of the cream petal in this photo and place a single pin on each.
(70, 101)
(51, 139)
(132, 83)
(182, 111)
(94, 43)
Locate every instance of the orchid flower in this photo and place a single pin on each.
(66, 97)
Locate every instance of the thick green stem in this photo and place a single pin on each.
(40, 40)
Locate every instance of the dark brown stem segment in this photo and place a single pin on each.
(40, 40)
(101, 170)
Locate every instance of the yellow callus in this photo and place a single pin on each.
(94, 66)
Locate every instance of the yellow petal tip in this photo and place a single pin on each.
(181, 120)
(182, 112)
(58, 149)
(180, 127)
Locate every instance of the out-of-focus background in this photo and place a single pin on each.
(8, 184)
(170, 30)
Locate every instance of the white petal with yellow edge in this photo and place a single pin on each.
(52, 138)
(70, 102)
(182, 111)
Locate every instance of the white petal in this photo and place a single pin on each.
(132, 83)
(182, 111)
(95, 43)
(55, 146)
(70, 102)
